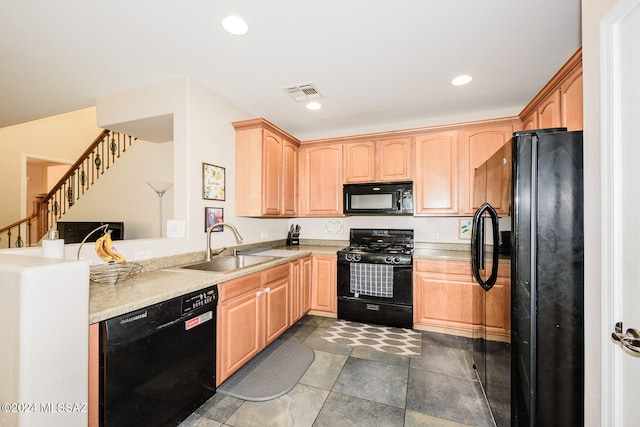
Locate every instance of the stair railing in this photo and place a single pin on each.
(90, 166)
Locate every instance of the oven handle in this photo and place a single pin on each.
(344, 262)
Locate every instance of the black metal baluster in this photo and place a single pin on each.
(19, 242)
(69, 192)
(113, 148)
(29, 233)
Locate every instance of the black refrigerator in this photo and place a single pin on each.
(546, 369)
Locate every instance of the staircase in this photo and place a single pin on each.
(48, 208)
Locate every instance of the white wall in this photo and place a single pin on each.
(122, 193)
(202, 133)
(426, 229)
(60, 138)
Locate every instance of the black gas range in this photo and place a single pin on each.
(375, 277)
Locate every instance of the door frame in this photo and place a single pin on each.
(23, 175)
(611, 232)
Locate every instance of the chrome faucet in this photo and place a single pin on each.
(207, 255)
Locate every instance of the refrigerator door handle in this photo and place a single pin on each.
(477, 246)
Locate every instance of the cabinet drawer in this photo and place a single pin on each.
(275, 273)
(443, 266)
(460, 268)
(239, 286)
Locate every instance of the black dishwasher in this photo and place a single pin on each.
(158, 364)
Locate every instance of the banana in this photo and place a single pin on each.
(100, 248)
(105, 250)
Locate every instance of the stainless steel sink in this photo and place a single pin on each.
(224, 263)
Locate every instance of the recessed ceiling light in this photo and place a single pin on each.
(461, 80)
(313, 105)
(235, 25)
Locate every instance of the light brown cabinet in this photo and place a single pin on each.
(492, 181)
(266, 170)
(93, 405)
(446, 163)
(300, 296)
(359, 161)
(444, 298)
(321, 179)
(480, 143)
(324, 286)
(560, 102)
(571, 100)
(252, 312)
(378, 160)
(436, 187)
(549, 114)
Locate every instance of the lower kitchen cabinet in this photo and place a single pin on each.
(275, 289)
(238, 338)
(324, 285)
(93, 405)
(443, 298)
(252, 312)
(300, 295)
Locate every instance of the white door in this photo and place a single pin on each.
(621, 205)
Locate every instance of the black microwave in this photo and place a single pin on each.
(380, 198)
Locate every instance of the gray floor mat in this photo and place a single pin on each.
(272, 373)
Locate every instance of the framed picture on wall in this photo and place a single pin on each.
(213, 182)
(213, 216)
(464, 228)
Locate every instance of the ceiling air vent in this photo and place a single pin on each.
(303, 92)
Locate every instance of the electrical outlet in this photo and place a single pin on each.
(436, 234)
(140, 255)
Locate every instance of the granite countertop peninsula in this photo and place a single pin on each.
(162, 279)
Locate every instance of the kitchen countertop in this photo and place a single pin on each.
(169, 281)
(452, 255)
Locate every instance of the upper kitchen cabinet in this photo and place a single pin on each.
(559, 103)
(377, 160)
(394, 159)
(360, 161)
(321, 179)
(571, 100)
(266, 170)
(492, 181)
(480, 143)
(437, 158)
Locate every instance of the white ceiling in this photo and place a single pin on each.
(376, 63)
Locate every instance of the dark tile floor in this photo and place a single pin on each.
(357, 386)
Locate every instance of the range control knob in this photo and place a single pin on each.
(353, 257)
(392, 260)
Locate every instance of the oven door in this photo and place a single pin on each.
(384, 301)
(385, 283)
